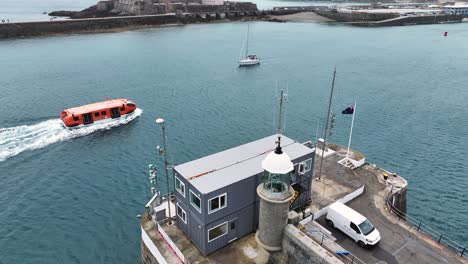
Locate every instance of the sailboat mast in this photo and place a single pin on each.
(326, 126)
(247, 45)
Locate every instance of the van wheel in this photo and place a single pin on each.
(330, 223)
(361, 244)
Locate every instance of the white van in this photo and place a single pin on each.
(352, 223)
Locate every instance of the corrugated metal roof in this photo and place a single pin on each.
(221, 169)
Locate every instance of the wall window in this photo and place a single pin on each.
(195, 201)
(180, 186)
(308, 165)
(181, 214)
(305, 166)
(216, 203)
(217, 231)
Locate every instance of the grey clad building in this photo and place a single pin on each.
(216, 196)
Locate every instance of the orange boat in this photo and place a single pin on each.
(88, 114)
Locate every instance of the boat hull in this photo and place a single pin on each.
(101, 121)
(248, 62)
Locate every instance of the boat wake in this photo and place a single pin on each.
(15, 140)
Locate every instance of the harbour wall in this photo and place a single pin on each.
(300, 248)
(342, 16)
(149, 251)
(13, 30)
(416, 20)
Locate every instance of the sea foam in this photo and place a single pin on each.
(15, 140)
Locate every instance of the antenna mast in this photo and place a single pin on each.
(280, 127)
(280, 124)
(326, 126)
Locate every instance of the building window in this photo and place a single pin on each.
(305, 166)
(308, 164)
(180, 186)
(217, 231)
(181, 214)
(216, 203)
(195, 201)
(103, 113)
(96, 114)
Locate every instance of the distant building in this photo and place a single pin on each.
(212, 2)
(216, 196)
(455, 9)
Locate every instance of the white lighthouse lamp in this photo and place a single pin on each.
(278, 168)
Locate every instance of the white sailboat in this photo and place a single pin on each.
(249, 59)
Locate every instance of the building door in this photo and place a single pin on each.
(232, 232)
(115, 112)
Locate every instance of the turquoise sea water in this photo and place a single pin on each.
(75, 200)
(32, 10)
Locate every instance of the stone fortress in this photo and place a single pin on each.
(153, 7)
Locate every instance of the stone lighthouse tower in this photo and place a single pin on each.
(275, 194)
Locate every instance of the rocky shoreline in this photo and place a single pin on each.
(90, 12)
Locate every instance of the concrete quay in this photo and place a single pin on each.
(244, 250)
(372, 191)
(401, 242)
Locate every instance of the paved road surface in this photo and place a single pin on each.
(397, 244)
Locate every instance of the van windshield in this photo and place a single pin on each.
(366, 227)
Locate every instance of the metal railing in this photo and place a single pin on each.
(327, 242)
(435, 235)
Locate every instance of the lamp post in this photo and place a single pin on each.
(163, 150)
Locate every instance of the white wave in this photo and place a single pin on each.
(15, 140)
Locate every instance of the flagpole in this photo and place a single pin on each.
(351, 132)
